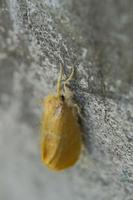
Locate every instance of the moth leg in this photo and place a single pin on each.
(77, 111)
(77, 108)
(59, 81)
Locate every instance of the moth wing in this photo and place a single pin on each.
(61, 142)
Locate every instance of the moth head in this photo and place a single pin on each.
(52, 102)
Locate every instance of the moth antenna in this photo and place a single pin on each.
(69, 78)
(59, 88)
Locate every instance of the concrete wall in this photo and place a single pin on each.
(95, 36)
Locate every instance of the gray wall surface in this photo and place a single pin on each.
(96, 37)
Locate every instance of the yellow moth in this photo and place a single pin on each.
(60, 131)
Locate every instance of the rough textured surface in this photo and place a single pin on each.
(96, 36)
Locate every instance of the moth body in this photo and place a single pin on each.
(60, 131)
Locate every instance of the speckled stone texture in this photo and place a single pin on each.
(96, 37)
